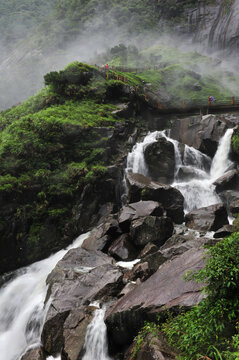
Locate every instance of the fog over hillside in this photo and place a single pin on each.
(46, 35)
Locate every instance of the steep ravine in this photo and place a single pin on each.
(149, 227)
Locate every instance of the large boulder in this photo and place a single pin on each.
(165, 289)
(210, 218)
(74, 332)
(135, 210)
(224, 231)
(151, 229)
(101, 237)
(159, 157)
(140, 187)
(228, 181)
(79, 278)
(187, 173)
(203, 133)
(123, 249)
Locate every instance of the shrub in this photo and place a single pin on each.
(213, 324)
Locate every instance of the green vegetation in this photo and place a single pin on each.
(211, 328)
(148, 328)
(235, 141)
(176, 76)
(51, 146)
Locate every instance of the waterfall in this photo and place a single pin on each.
(201, 192)
(22, 310)
(220, 161)
(135, 159)
(96, 338)
(198, 189)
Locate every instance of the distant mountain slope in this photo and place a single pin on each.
(40, 36)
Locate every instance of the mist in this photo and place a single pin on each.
(23, 66)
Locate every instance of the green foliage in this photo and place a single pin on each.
(211, 328)
(235, 141)
(148, 328)
(51, 146)
(74, 74)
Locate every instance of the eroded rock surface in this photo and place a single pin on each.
(141, 187)
(159, 156)
(164, 289)
(228, 181)
(79, 278)
(201, 133)
(210, 218)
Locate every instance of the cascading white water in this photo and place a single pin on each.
(220, 161)
(198, 190)
(22, 310)
(96, 338)
(135, 159)
(201, 192)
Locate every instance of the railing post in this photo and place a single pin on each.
(159, 105)
(184, 104)
(233, 100)
(136, 89)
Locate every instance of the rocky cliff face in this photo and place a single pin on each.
(214, 24)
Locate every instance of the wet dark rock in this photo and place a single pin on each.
(153, 347)
(74, 332)
(131, 285)
(79, 278)
(103, 235)
(151, 229)
(201, 133)
(92, 204)
(97, 243)
(140, 271)
(224, 231)
(154, 261)
(159, 157)
(140, 187)
(123, 249)
(229, 181)
(183, 244)
(139, 209)
(149, 248)
(210, 218)
(186, 173)
(164, 289)
(34, 354)
(234, 206)
(229, 197)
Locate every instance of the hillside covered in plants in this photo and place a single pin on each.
(119, 180)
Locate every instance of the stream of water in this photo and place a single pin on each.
(198, 189)
(96, 347)
(22, 310)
